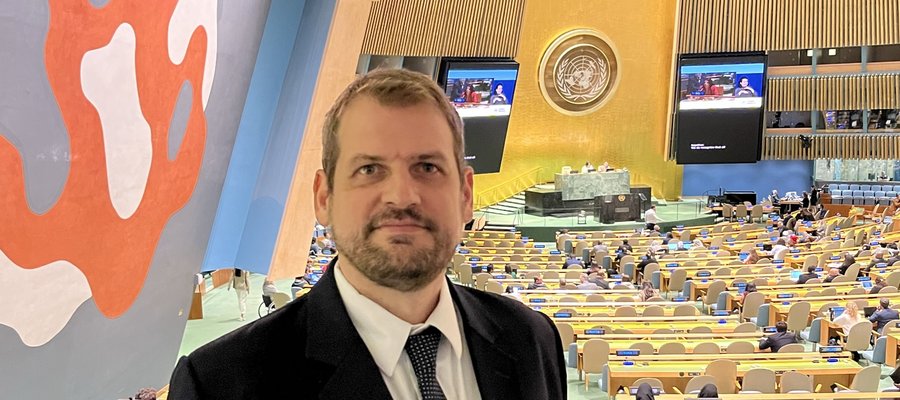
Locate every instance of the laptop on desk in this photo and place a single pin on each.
(868, 311)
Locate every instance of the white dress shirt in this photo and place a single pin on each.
(385, 336)
(777, 248)
(650, 216)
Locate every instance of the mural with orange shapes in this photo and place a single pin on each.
(116, 81)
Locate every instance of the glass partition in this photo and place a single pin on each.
(856, 170)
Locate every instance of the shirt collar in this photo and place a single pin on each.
(385, 335)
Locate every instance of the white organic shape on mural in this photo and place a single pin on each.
(38, 303)
(188, 15)
(109, 82)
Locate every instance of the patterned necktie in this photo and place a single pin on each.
(422, 349)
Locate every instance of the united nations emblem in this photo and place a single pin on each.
(579, 72)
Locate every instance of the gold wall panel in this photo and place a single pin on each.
(337, 70)
(630, 129)
(709, 26)
(444, 28)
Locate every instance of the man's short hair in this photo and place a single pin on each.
(885, 303)
(395, 88)
(781, 326)
(811, 268)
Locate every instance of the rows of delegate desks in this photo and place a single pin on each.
(677, 370)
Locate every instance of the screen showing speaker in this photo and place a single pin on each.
(719, 114)
(482, 92)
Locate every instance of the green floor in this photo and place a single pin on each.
(220, 311)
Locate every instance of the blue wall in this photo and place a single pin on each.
(265, 152)
(762, 177)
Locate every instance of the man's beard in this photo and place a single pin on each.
(403, 267)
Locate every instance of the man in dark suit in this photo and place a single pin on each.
(879, 284)
(883, 314)
(779, 339)
(384, 321)
(810, 274)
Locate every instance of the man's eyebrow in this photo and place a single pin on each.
(429, 156)
(365, 158)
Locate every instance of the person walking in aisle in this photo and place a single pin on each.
(240, 281)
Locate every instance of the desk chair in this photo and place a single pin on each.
(796, 382)
(700, 329)
(745, 327)
(595, 357)
(696, 383)
(792, 348)
(725, 374)
(798, 316)
(653, 382)
(751, 305)
(758, 381)
(672, 348)
(280, 299)
(644, 347)
(566, 334)
(686, 310)
(866, 380)
(707, 348)
(740, 348)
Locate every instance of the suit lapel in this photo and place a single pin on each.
(489, 358)
(332, 340)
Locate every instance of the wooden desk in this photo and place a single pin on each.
(779, 309)
(647, 328)
(790, 396)
(689, 344)
(555, 294)
(890, 355)
(587, 309)
(678, 336)
(678, 373)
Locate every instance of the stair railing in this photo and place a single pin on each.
(505, 190)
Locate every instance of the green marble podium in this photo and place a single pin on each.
(592, 184)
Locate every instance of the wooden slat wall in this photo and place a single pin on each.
(448, 28)
(844, 92)
(709, 26)
(846, 146)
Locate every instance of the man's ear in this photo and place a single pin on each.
(321, 197)
(467, 193)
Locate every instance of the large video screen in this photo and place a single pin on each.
(482, 92)
(719, 115)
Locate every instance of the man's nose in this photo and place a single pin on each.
(401, 190)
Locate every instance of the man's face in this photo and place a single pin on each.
(499, 89)
(398, 205)
(744, 82)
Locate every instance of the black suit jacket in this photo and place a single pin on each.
(883, 316)
(309, 349)
(807, 276)
(777, 340)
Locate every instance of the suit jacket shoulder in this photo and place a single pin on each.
(242, 364)
(309, 348)
(515, 350)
